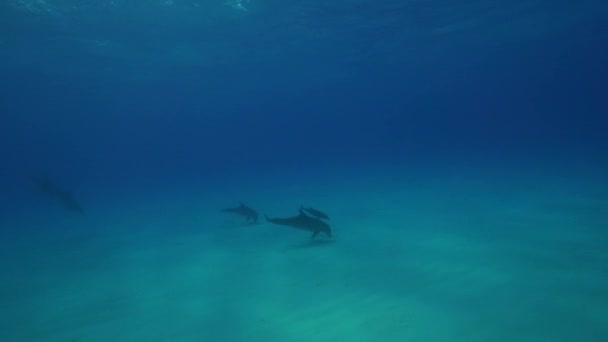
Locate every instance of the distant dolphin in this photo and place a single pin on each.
(304, 222)
(315, 212)
(243, 210)
(65, 197)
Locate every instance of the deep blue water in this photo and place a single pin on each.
(98, 94)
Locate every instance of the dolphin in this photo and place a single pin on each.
(65, 197)
(303, 222)
(315, 212)
(243, 210)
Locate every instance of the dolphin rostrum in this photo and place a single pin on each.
(315, 212)
(65, 197)
(243, 210)
(303, 222)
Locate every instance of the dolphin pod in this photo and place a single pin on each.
(308, 219)
(303, 222)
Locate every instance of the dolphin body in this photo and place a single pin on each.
(65, 197)
(315, 212)
(250, 214)
(303, 222)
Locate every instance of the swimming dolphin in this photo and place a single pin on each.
(243, 210)
(315, 212)
(304, 222)
(65, 197)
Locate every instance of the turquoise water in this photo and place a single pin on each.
(466, 254)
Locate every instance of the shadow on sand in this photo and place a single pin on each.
(312, 243)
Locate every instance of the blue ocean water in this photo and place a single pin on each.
(459, 148)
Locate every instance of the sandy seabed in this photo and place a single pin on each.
(452, 257)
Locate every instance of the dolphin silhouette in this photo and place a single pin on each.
(303, 222)
(65, 197)
(243, 210)
(315, 212)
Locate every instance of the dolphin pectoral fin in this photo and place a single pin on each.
(314, 234)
